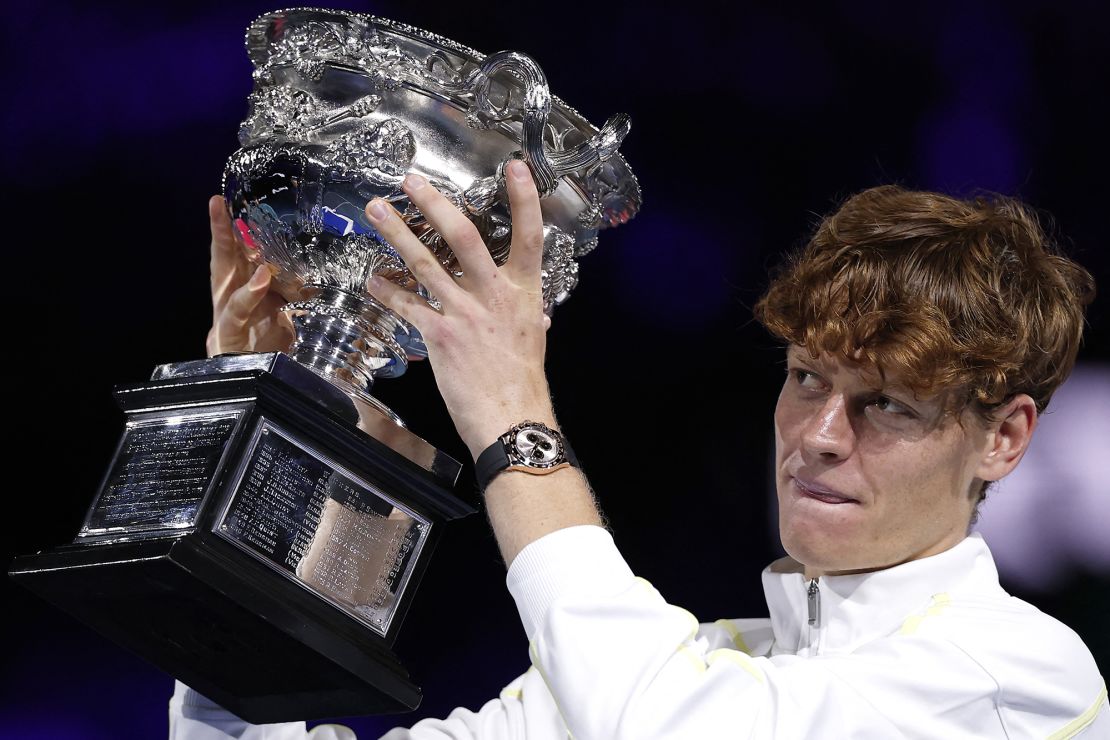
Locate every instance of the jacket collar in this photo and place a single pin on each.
(854, 609)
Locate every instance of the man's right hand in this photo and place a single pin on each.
(246, 315)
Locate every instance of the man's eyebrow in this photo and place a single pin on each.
(895, 386)
(821, 363)
(906, 392)
(794, 352)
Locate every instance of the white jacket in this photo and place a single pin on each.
(933, 648)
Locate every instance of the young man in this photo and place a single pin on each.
(924, 335)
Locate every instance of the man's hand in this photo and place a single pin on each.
(246, 315)
(486, 347)
(487, 343)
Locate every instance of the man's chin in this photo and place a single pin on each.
(819, 554)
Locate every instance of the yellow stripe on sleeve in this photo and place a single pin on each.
(936, 607)
(1077, 725)
(737, 638)
(691, 655)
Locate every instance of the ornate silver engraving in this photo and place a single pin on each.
(352, 261)
(590, 218)
(282, 110)
(586, 247)
(559, 271)
(380, 155)
(347, 41)
(288, 113)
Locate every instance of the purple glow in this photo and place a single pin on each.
(969, 148)
(109, 77)
(984, 60)
(1053, 513)
(676, 272)
(971, 140)
(51, 723)
(782, 64)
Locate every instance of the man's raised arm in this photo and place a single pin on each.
(486, 346)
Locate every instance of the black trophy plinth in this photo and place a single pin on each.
(252, 541)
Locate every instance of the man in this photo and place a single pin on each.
(924, 335)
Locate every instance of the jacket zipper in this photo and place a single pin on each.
(813, 599)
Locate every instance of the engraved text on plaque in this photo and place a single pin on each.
(323, 526)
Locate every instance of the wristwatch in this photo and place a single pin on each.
(530, 447)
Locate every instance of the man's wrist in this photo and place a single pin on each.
(491, 429)
(530, 447)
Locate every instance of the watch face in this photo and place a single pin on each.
(536, 448)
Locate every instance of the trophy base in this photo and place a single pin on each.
(250, 540)
(210, 620)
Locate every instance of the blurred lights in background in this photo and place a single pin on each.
(1051, 516)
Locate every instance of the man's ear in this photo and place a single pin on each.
(1010, 432)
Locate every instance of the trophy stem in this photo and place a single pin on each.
(348, 339)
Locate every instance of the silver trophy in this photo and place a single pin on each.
(344, 106)
(265, 511)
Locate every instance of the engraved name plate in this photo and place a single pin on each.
(160, 474)
(323, 526)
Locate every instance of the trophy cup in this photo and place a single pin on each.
(265, 521)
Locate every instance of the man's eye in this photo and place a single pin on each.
(804, 378)
(890, 406)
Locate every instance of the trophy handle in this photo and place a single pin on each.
(535, 109)
(546, 167)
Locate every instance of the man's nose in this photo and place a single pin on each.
(829, 433)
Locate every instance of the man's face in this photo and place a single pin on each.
(867, 475)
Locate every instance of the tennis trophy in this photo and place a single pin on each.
(265, 520)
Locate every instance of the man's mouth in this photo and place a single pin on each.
(822, 493)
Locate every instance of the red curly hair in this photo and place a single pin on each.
(964, 295)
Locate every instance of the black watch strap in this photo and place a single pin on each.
(495, 458)
(492, 461)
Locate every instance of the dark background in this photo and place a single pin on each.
(748, 123)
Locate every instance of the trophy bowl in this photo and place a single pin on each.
(343, 106)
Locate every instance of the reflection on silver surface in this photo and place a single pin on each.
(160, 475)
(344, 105)
(323, 527)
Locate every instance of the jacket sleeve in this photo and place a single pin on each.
(523, 709)
(196, 717)
(620, 662)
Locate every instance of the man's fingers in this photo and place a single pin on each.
(228, 266)
(230, 330)
(246, 298)
(455, 228)
(527, 245)
(224, 246)
(411, 307)
(418, 258)
(272, 331)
